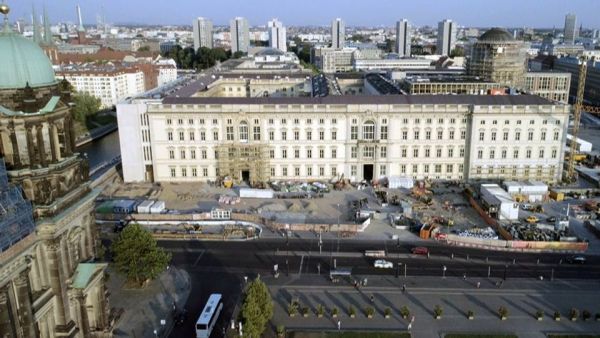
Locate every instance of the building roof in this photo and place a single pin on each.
(269, 52)
(496, 34)
(497, 100)
(84, 274)
(23, 62)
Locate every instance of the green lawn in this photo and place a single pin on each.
(573, 336)
(357, 334)
(476, 335)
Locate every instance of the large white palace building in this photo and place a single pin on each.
(288, 134)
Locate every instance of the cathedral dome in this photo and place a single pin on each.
(496, 35)
(23, 62)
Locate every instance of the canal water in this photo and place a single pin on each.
(102, 150)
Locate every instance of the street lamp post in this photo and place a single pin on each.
(505, 268)
(338, 228)
(320, 242)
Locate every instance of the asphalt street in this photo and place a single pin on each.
(302, 256)
(220, 267)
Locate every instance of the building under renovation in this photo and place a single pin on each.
(258, 129)
(498, 57)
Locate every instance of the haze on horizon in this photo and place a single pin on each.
(474, 13)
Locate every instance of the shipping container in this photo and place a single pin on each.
(158, 207)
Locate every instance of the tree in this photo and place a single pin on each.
(457, 51)
(85, 105)
(257, 309)
(137, 255)
(389, 45)
(359, 38)
(238, 54)
(144, 49)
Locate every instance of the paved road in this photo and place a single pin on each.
(304, 257)
(219, 267)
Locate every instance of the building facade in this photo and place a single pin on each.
(277, 35)
(420, 85)
(203, 33)
(110, 86)
(48, 285)
(553, 86)
(240, 37)
(591, 93)
(390, 64)
(361, 137)
(403, 38)
(338, 34)
(446, 39)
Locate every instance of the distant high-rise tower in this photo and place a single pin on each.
(203, 33)
(338, 33)
(277, 35)
(446, 39)
(570, 28)
(239, 35)
(403, 37)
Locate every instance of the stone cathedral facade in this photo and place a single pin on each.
(49, 283)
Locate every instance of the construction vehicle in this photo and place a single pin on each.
(578, 157)
(532, 219)
(557, 195)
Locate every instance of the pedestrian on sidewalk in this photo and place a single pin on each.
(478, 284)
(372, 299)
(339, 325)
(412, 319)
(403, 287)
(409, 326)
(465, 276)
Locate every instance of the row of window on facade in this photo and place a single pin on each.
(370, 151)
(528, 153)
(517, 135)
(414, 169)
(368, 133)
(354, 121)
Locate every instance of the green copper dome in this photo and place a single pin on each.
(22, 61)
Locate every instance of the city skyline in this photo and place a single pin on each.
(548, 14)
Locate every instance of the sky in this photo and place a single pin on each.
(475, 13)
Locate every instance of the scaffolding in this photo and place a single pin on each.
(244, 162)
(16, 213)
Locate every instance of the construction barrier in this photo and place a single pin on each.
(502, 245)
(489, 220)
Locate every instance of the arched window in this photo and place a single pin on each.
(243, 131)
(368, 130)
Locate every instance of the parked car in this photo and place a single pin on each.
(576, 260)
(383, 264)
(527, 207)
(551, 219)
(419, 250)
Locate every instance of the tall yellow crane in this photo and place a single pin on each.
(571, 176)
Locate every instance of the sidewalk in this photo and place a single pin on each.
(144, 308)
(522, 298)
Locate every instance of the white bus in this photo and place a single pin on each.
(209, 316)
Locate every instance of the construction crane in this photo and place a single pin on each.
(571, 175)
